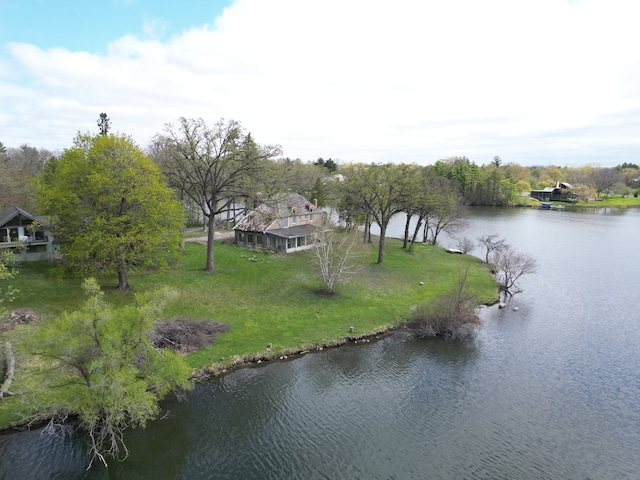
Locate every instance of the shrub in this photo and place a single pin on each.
(451, 316)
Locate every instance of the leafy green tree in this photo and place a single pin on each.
(110, 206)
(318, 192)
(18, 168)
(7, 272)
(379, 191)
(105, 369)
(212, 166)
(467, 175)
(444, 209)
(331, 166)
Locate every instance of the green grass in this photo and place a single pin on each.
(613, 201)
(268, 299)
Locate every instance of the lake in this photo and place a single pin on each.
(550, 391)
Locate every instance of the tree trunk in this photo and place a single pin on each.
(405, 243)
(210, 238)
(415, 234)
(123, 282)
(436, 231)
(367, 230)
(383, 233)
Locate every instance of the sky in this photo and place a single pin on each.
(535, 82)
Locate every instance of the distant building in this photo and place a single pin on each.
(286, 223)
(562, 192)
(25, 235)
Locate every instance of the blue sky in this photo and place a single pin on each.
(90, 25)
(536, 82)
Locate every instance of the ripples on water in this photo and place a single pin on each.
(549, 392)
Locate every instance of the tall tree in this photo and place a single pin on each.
(110, 206)
(318, 192)
(104, 124)
(212, 166)
(379, 191)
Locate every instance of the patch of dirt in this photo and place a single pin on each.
(20, 316)
(185, 336)
(219, 235)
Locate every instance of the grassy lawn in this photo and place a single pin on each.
(613, 201)
(265, 299)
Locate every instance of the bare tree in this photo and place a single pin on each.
(510, 266)
(465, 245)
(333, 254)
(212, 166)
(492, 244)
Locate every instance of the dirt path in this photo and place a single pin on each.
(219, 235)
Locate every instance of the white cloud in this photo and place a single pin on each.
(357, 80)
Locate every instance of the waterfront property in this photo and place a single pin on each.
(561, 193)
(283, 224)
(24, 234)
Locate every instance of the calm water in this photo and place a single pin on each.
(551, 391)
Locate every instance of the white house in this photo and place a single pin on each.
(284, 224)
(21, 232)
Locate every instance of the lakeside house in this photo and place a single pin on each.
(25, 235)
(286, 224)
(562, 192)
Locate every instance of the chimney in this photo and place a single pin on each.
(315, 202)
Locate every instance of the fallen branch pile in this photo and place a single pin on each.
(187, 335)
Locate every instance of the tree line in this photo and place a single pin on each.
(109, 204)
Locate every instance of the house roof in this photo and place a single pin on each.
(559, 185)
(292, 232)
(13, 212)
(281, 206)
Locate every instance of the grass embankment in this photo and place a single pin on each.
(612, 201)
(267, 299)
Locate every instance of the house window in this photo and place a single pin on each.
(295, 219)
(291, 242)
(249, 238)
(285, 222)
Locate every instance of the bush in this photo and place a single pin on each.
(445, 318)
(452, 316)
